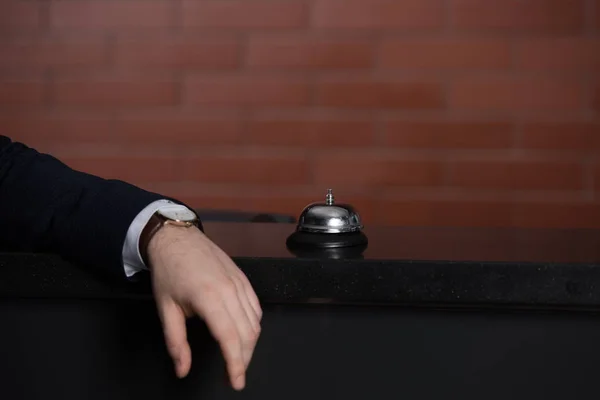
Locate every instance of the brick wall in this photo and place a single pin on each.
(419, 112)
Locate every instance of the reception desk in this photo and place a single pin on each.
(423, 313)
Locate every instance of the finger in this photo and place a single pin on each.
(251, 294)
(247, 293)
(174, 329)
(246, 286)
(248, 338)
(223, 328)
(245, 319)
(246, 303)
(249, 327)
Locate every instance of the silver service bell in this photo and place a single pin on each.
(329, 217)
(328, 225)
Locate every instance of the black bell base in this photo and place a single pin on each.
(334, 253)
(313, 240)
(327, 245)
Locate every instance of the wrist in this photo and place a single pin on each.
(165, 239)
(165, 220)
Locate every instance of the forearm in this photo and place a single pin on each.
(45, 206)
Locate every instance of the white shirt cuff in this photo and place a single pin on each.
(132, 259)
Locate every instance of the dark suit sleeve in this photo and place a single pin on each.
(45, 206)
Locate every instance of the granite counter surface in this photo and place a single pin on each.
(441, 267)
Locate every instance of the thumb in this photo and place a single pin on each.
(174, 329)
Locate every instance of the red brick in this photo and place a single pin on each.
(469, 213)
(245, 169)
(43, 52)
(210, 201)
(442, 213)
(557, 215)
(21, 92)
(238, 199)
(516, 94)
(283, 204)
(309, 52)
(551, 16)
(114, 92)
(101, 14)
(596, 15)
(485, 214)
(372, 170)
(410, 133)
(19, 14)
(262, 199)
(44, 129)
(596, 173)
(133, 169)
(181, 52)
(561, 136)
(380, 94)
(178, 129)
(517, 175)
(312, 132)
(596, 98)
(379, 14)
(467, 53)
(247, 90)
(242, 14)
(576, 54)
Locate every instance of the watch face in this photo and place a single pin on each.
(178, 213)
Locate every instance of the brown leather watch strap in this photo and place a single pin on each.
(153, 226)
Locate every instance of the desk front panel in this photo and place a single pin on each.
(93, 349)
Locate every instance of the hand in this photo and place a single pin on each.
(191, 275)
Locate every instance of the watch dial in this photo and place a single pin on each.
(179, 213)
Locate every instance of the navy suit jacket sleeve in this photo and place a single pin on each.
(45, 206)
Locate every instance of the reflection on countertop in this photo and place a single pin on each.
(267, 240)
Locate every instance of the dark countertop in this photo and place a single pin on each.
(401, 266)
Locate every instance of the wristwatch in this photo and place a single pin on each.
(174, 215)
